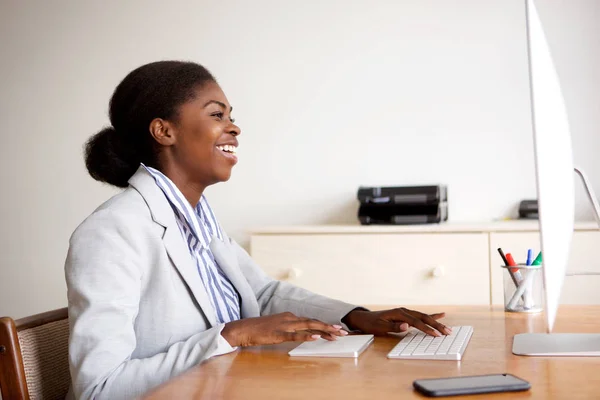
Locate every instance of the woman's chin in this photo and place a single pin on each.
(224, 176)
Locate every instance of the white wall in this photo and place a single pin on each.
(329, 94)
(573, 31)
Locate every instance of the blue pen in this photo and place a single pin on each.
(529, 257)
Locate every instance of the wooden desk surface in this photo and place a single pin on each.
(267, 372)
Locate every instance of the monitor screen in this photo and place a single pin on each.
(553, 163)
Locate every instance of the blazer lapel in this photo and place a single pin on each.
(228, 263)
(181, 258)
(163, 214)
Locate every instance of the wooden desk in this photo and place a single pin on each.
(267, 372)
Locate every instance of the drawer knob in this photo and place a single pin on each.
(293, 273)
(438, 271)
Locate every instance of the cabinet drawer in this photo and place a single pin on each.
(378, 269)
(576, 289)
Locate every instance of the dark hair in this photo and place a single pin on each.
(154, 90)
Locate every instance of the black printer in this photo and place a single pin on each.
(402, 205)
(528, 209)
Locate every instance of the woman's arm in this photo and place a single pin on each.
(274, 296)
(104, 276)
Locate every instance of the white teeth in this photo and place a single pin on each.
(227, 148)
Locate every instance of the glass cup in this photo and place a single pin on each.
(523, 288)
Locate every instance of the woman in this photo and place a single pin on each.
(155, 286)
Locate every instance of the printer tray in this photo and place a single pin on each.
(402, 215)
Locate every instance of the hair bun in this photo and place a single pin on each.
(107, 159)
(154, 90)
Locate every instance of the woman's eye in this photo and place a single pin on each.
(232, 120)
(218, 115)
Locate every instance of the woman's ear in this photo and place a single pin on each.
(162, 131)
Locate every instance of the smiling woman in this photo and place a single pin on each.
(171, 114)
(155, 286)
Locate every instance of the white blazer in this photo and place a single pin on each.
(138, 311)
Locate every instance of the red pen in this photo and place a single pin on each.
(511, 262)
(516, 272)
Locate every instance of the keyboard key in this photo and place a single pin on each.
(418, 345)
(435, 344)
(403, 343)
(443, 349)
(458, 342)
(412, 345)
(420, 350)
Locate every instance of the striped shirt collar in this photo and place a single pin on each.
(201, 219)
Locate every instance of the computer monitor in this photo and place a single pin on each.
(555, 190)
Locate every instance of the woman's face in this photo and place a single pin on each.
(206, 143)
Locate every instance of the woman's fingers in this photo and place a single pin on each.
(278, 328)
(403, 327)
(437, 325)
(316, 325)
(307, 335)
(431, 321)
(422, 326)
(438, 315)
(299, 336)
(427, 323)
(324, 335)
(293, 328)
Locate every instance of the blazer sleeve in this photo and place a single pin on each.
(275, 296)
(104, 273)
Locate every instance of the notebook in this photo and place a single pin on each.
(345, 346)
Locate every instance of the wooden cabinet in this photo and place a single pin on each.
(381, 269)
(446, 264)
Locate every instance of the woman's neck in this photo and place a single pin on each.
(191, 189)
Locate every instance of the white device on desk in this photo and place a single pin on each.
(555, 189)
(417, 345)
(344, 346)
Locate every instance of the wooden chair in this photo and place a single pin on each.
(34, 360)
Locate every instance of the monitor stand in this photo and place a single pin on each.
(557, 344)
(590, 193)
(562, 344)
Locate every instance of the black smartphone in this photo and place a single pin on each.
(475, 384)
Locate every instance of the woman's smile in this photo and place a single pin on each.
(229, 151)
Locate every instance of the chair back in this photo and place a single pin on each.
(34, 361)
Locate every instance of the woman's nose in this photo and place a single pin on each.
(235, 130)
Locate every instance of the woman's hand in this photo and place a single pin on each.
(395, 320)
(278, 328)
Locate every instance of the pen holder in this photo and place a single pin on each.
(523, 288)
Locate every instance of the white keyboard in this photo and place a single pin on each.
(416, 345)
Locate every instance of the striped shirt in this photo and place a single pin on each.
(198, 225)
